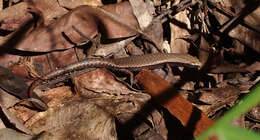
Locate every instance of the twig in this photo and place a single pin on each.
(176, 9)
(234, 18)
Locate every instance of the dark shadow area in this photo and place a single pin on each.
(251, 5)
(176, 131)
(67, 38)
(122, 134)
(9, 45)
(166, 31)
(149, 42)
(214, 23)
(182, 25)
(7, 122)
(212, 5)
(163, 98)
(114, 40)
(6, 3)
(250, 55)
(105, 2)
(4, 32)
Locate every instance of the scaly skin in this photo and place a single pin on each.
(133, 63)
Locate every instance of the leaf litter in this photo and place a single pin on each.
(37, 38)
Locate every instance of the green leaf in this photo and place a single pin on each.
(243, 106)
(228, 132)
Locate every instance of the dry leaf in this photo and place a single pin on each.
(15, 121)
(77, 119)
(13, 84)
(70, 4)
(49, 10)
(52, 38)
(182, 109)
(9, 134)
(12, 18)
(177, 45)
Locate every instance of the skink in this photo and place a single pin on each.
(133, 63)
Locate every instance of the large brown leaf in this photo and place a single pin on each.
(49, 38)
